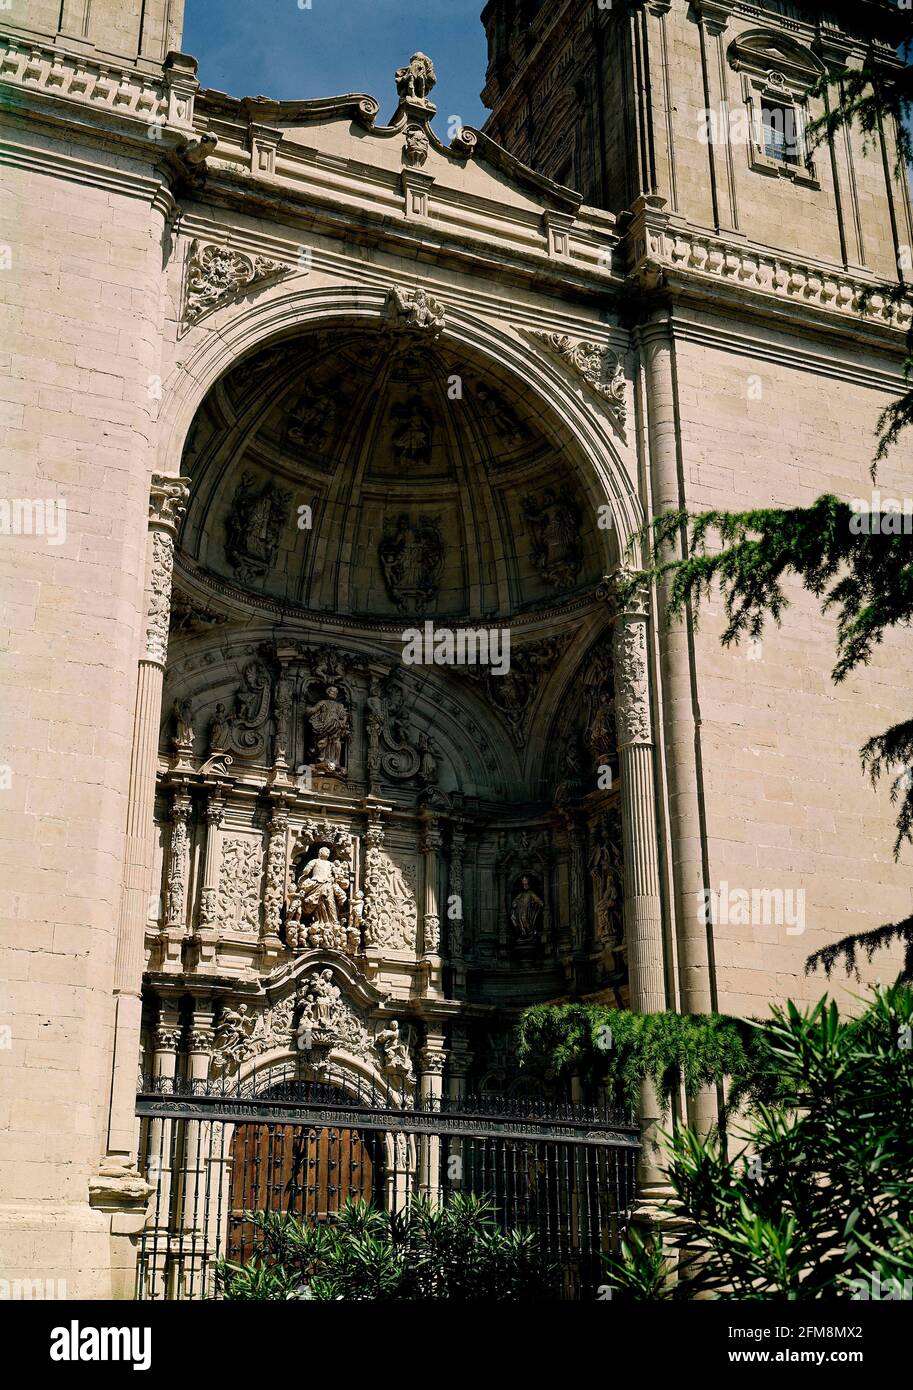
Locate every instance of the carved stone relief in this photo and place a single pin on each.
(391, 911)
(632, 694)
(598, 365)
(416, 309)
(411, 434)
(215, 274)
(514, 693)
(553, 521)
(253, 527)
(411, 559)
(239, 885)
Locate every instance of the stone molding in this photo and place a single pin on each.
(123, 91)
(713, 259)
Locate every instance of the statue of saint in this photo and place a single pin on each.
(330, 726)
(526, 912)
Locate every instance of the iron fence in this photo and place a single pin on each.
(214, 1151)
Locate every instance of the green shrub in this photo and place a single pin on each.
(455, 1250)
(817, 1201)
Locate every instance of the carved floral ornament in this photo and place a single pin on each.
(597, 364)
(216, 274)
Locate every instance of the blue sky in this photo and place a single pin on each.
(272, 48)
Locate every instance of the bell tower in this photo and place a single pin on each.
(705, 105)
(138, 33)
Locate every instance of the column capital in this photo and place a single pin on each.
(167, 502)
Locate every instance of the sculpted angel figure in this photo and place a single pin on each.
(235, 1027)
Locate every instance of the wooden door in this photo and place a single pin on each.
(308, 1170)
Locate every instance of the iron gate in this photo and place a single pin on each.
(214, 1151)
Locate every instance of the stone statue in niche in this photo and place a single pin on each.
(219, 729)
(253, 527)
(183, 727)
(330, 726)
(605, 866)
(411, 435)
(526, 911)
(244, 731)
(317, 910)
(319, 897)
(412, 558)
(554, 525)
(416, 79)
(427, 769)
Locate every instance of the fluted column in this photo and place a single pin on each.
(168, 498)
(681, 740)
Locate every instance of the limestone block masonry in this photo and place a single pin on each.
(279, 382)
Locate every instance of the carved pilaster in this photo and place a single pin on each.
(167, 500)
(643, 923)
(276, 874)
(175, 911)
(455, 895)
(207, 929)
(431, 918)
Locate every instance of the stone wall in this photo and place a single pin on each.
(81, 354)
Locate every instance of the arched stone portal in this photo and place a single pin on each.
(388, 725)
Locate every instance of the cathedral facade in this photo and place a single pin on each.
(327, 741)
